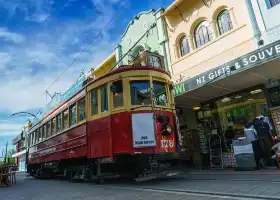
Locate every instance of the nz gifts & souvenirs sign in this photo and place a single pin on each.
(257, 57)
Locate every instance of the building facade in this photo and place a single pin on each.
(21, 142)
(146, 32)
(221, 68)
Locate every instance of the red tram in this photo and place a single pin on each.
(121, 124)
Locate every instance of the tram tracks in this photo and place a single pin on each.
(196, 193)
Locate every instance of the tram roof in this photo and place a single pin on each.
(125, 68)
(120, 69)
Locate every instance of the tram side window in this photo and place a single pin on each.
(104, 98)
(117, 91)
(65, 119)
(45, 131)
(53, 126)
(94, 102)
(140, 93)
(48, 129)
(81, 110)
(40, 134)
(159, 92)
(73, 117)
(59, 120)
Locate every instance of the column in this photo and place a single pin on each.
(213, 25)
(118, 53)
(253, 19)
(233, 17)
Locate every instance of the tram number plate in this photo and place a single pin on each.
(167, 143)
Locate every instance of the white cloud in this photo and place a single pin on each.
(10, 36)
(38, 17)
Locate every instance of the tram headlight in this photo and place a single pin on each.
(166, 129)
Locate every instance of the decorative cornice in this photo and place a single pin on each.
(136, 18)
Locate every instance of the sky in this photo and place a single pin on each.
(40, 38)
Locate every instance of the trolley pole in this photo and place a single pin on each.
(6, 153)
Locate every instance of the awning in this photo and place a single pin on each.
(257, 67)
(18, 154)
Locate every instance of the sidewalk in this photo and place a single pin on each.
(272, 175)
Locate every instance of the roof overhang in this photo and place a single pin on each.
(171, 7)
(247, 74)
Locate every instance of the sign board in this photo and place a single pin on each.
(257, 57)
(143, 130)
(244, 155)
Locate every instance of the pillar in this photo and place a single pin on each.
(118, 53)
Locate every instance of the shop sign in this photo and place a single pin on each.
(247, 61)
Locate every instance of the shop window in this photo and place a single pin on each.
(224, 22)
(184, 46)
(203, 34)
(104, 98)
(48, 129)
(73, 117)
(65, 119)
(160, 96)
(53, 126)
(274, 2)
(94, 102)
(140, 93)
(59, 122)
(82, 109)
(117, 93)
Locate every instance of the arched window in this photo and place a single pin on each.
(274, 2)
(203, 34)
(224, 22)
(184, 46)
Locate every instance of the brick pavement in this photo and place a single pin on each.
(31, 189)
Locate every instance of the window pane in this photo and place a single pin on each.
(104, 98)
(65, 119)
(160, 93)
(118, 94)
(48, 128)
(40, 134)
(82, 109)
(53, 126)
(274, 2)
(203, 34)
(59, 121)
(184, 46)
(224, 22)
(73, 117)
(140, 93)
(94, 102)
(45, 131)
(34, 138)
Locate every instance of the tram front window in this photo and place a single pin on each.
(159, 92)
(140, 93)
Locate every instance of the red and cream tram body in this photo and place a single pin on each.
(122, 123)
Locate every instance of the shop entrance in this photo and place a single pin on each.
(220, 121)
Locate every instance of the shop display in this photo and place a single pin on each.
(215, 148)
(276, 120)
(229, 160)
(244, 155)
